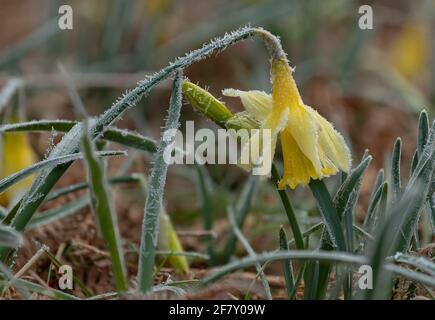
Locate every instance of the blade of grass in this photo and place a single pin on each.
(18, 176)
(343, 199)
(423, 132)
(9, 279)
(8, 91)
(84, 185)
(423, 175)
(294, 225)
(51, 215)
(421, 263)
(242, 208)
(378, 182)
(329, 213)
(332, 238)
(396, 232)
(101, 203)
(207, 206)
(307, 255)
(35, 39)
(286, 265)
(103, 208)
(377, 211)
(155, 190)
(369, 221)
(250, 251)
(9, 237)
(121, 136)
(395, 170)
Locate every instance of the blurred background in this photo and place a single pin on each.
(371, 83)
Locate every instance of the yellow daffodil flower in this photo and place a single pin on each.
(16, 154)
(312, 148)
(409, 54)
(168, 241)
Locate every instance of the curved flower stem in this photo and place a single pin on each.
(289, 210)
(22, 213)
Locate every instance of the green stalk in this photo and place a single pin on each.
(155, 190)
(294, 225)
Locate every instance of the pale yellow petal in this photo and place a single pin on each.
(332, 144)
(304, 129)
(257, 103)
(252, 150)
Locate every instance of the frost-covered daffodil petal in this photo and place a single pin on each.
(257, 103)
(260, 105)
(17, 154)
(332, 144)
(301, 124)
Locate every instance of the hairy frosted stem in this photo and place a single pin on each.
(156, 185)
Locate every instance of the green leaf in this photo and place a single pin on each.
(294, 225)
(350, 185)
(43, 291)
(121, 136)
(308, 255)
(242, 208)
(39, 125)
(9, 237)
(155, 190)
(286, 265)
(250, 251)
(377, 208)
(378, 182)
(55, 214)
(102, 207)
(5, 183)
(345, 197)
(395, 169)
(423, 132)
(8, 91)
(84, 185)
(329, 214)
(421, 263)
(130, 139)
(396, 231)
(207, 207)
(414, 162)
(421, 179)
(101, 203)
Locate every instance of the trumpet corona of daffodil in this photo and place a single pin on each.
(16, 154)
(312, 148)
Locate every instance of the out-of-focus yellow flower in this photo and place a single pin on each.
(168, 241)
(16, 154)
(409, 53)
(312, 148)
